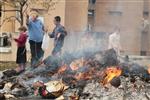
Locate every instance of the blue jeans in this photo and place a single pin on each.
(57, 49)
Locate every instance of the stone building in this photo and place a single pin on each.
(97, 16)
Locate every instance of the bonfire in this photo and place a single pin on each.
(83, 78)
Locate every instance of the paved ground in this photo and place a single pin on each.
(142, 60)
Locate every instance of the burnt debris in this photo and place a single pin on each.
(95, 76)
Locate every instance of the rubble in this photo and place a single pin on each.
(90, 76)
(4, 96)
(51, 89)
(116, 82)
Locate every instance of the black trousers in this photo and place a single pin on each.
(36, 52)
(21, 55)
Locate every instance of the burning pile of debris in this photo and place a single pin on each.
(91, 76)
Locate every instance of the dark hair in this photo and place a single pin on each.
(57, 18)
(22, 28)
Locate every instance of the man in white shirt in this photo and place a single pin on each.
(145, 25)
(114, 41)
(145, 36)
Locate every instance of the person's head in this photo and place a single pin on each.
(34, 15)
(57, 20)
(22, 29)
(145, 15)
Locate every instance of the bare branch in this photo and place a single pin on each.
(24, 2)
(9, 10)
(22, 5)
(5, 2)
(9, 18)
(26, 6)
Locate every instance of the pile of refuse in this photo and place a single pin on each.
(94, 76)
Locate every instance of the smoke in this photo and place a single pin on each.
(79, 43)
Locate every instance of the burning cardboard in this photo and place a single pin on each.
(83, 75)
(75, 65)
(111, 73)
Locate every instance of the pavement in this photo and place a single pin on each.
(141, 60)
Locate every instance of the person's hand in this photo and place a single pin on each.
(27, 15)
(14, 39)
(27, 18)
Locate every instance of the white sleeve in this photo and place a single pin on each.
(110, 42)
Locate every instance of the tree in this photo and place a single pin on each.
(48, 5)
(21, 7)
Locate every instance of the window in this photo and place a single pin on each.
(92, 1)
(5, 40)
(115, 13)
(92, 4)
(145, 13)
(5, 43)
(91, 13)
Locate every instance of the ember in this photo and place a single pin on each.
(62, 69)
(75, 65)
(74, 97)
(79, 79)
(84, 76)
(111, 73)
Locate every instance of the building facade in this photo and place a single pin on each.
(96, 16)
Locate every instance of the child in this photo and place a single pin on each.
(21, 51)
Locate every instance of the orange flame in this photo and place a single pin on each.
(75, 65)
(86, 75)
(110, 74)
(62, 69)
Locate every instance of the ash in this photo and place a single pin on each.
(84, 75)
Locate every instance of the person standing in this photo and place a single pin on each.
(114, 41)
(36, 33)
(21, 50)
(58, 34)
(145, 36)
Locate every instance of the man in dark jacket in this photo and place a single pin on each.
(58, 34)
